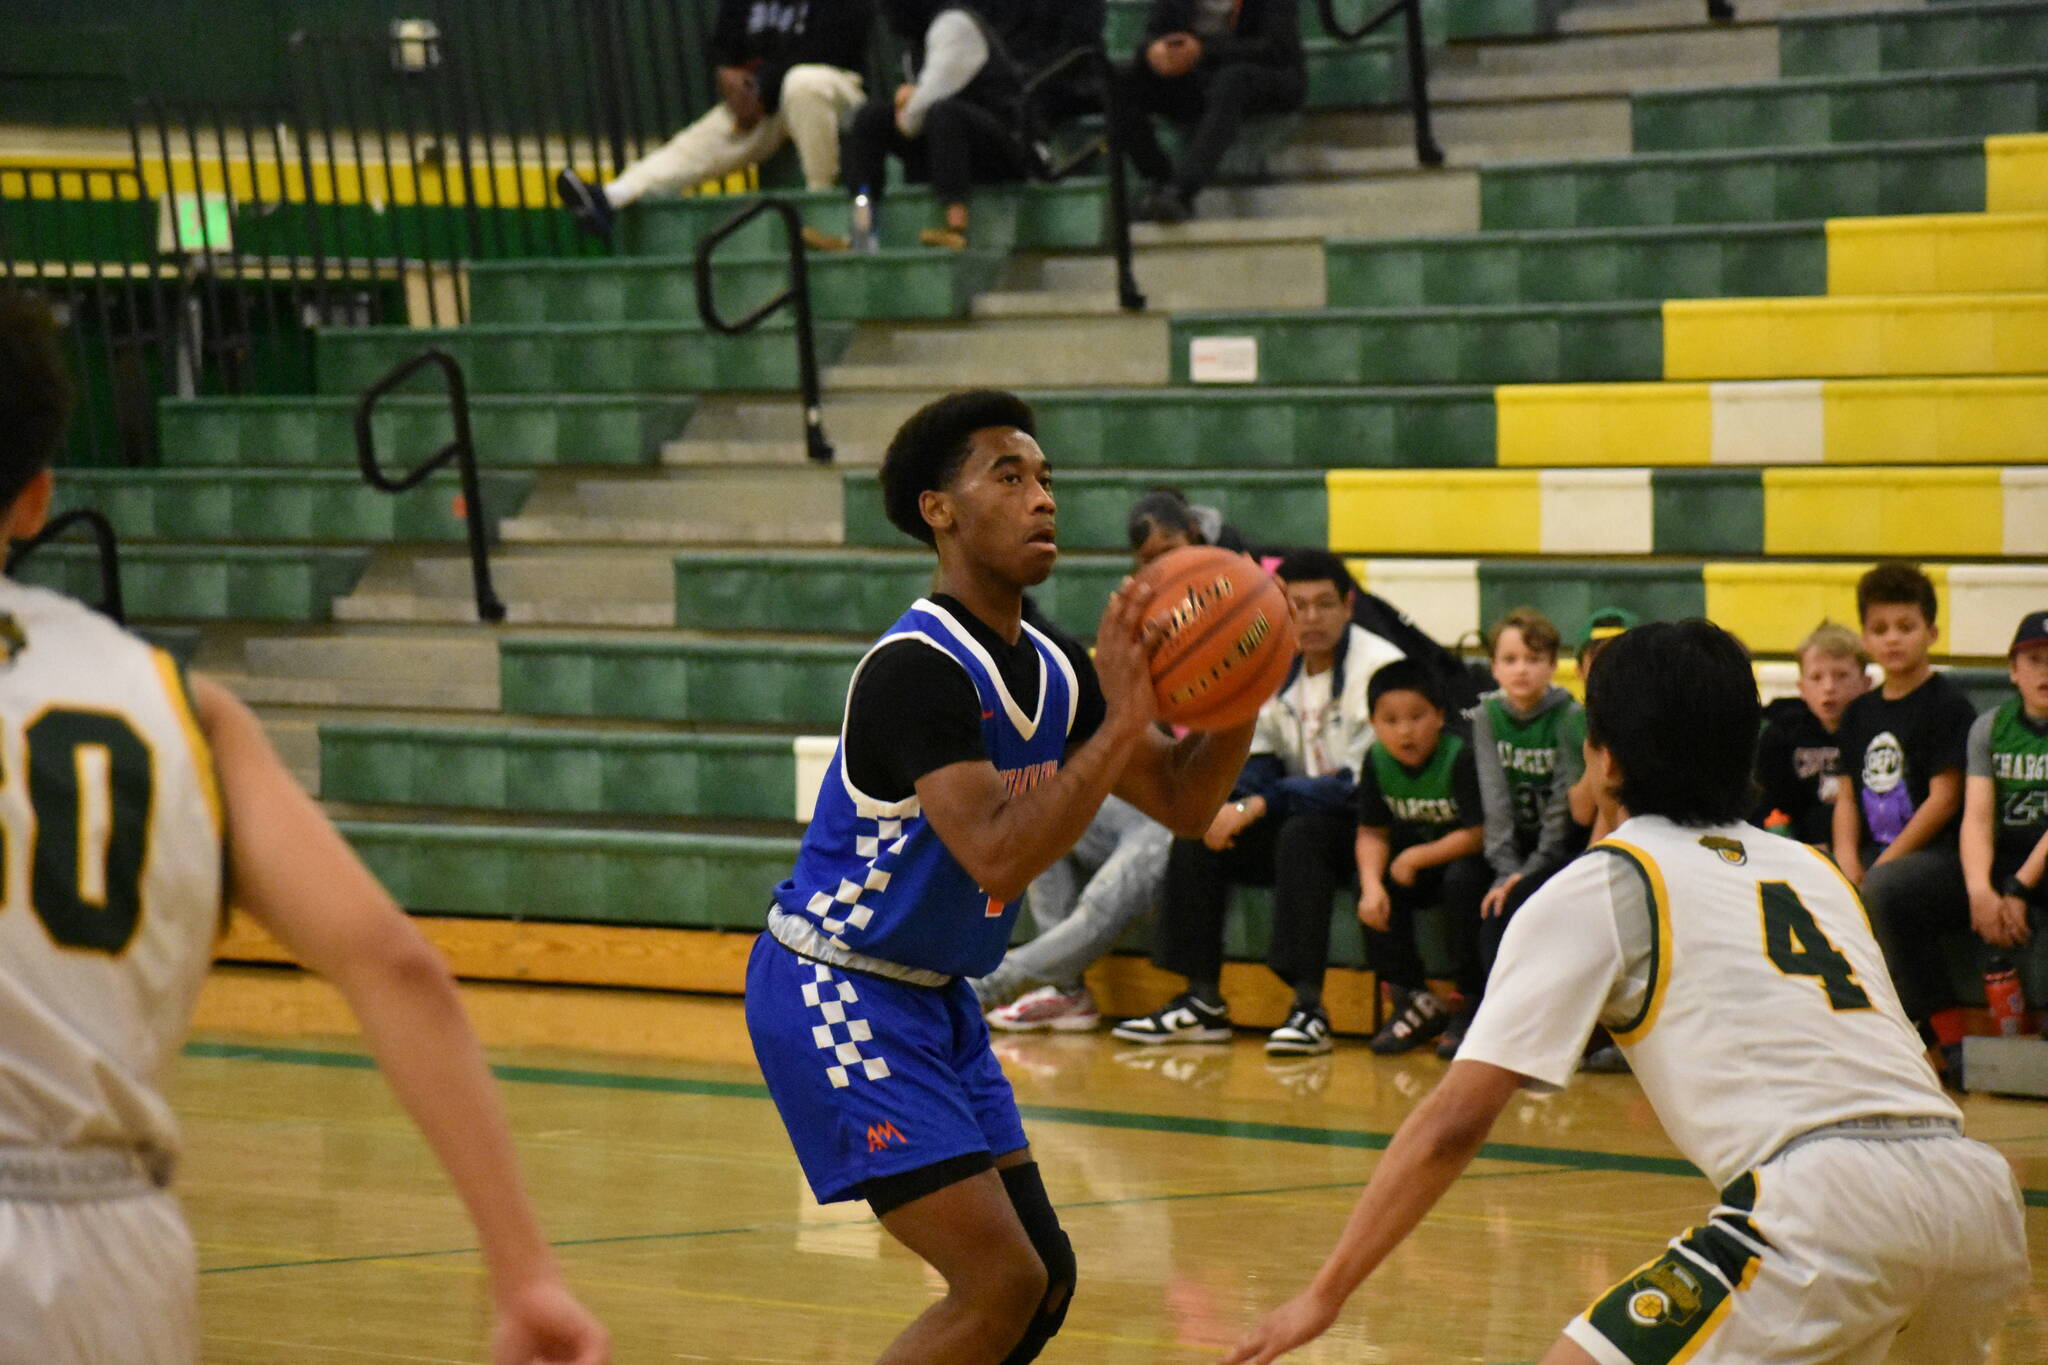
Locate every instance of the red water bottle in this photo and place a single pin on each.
(2003, 996)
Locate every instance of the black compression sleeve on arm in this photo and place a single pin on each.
(913, 711)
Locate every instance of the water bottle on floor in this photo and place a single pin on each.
(2003, 996)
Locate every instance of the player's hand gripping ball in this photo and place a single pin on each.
(1224, 639)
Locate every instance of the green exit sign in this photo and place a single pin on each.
(191, 224)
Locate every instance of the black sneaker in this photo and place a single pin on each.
(586, 204)
(1305, 1034)
(1182, 1019)
(1165, 205)
(1454, 1037)
(1422, 1017)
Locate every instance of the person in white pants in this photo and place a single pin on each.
(786, 73)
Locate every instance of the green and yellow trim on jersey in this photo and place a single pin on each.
(1659, 900)
(1667, 1309)
(179, 694)
(1847, 885)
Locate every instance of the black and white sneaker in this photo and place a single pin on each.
(586, 204)
(1421, 1017)
(1305, 1034)
(1182, 1019)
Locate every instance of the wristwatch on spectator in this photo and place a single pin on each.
(2013, 887)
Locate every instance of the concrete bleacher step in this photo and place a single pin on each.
(855, 593)
(1780, 184)
(616, 357)
(1594, 56)
(1818, 110)
(1578, 265)
(1616, 16)
(567, 585)
(413, 670)
(509, 430)
(560, 770)
(1288, 508)
(1950, 36)
(1126, 349)
(1539, 343)
(748, 682)
(1397, 203)
(1233, 275)
(575, 875)
(165, 583)
(907, 283)
(1885, 512)
(251, 506)
(1774, 422)
(772, 506)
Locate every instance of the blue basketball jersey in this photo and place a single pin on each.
(873, 877)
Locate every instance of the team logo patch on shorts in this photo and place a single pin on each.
(880, 1135)
(1666, 1295)
(1662, 1312)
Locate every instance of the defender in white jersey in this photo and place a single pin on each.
(129, 805)
(1739, 973)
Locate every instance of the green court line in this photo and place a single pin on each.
(1361, 1139)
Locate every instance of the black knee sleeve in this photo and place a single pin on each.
(1042, 1226)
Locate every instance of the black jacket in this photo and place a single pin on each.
(1266, 32)
(771, 36)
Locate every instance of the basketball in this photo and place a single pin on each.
(1225, 638)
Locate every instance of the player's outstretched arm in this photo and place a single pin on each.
(1432, 1147)
(290, 869)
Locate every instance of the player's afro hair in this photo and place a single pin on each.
(1675, 703)
(927, 450)
(35, 391)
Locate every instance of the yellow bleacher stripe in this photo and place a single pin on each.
(1935, 421)
(2016, 173)
(1774, 605)
(1938, 253)
(1877, 336)
(1883, 511)
(1434, 511)
(1603, 424)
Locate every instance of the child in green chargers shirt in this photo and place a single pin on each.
(1528, 742)
(1419, 838)
(2005, 797)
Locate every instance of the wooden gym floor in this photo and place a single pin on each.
(1199, 1185)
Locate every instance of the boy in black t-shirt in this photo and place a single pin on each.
(1895, 812)
(1420, 838)
(1799, 757)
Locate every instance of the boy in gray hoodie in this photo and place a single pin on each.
(1528, 739)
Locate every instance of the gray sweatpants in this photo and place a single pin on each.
(1083, 903)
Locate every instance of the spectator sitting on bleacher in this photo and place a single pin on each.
(786, 72)
(1081, 905)
(958, 123)
(1799, 757)
(1164, 520)
(1290, 825)
(1421, 831)
(1528, 740)
(2005, 798)
(1903, 750)
(1207, 65)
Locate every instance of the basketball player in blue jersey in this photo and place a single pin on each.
(978, 742)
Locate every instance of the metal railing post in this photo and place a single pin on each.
(797, 297)
(1427, 152)
(461, 451)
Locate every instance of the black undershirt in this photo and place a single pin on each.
(914, 710)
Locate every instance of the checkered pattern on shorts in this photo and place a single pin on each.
(841, 1034)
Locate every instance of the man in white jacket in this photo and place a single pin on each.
(1289, 825)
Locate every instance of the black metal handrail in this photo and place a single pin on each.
(796, 297)
(103, 537)
(1128, 295)
(461, 451)
(1426, 149)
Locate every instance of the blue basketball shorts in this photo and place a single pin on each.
(874, 1077)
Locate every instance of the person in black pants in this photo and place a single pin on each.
(1207, 65)
(957, 124)
(1290, 826)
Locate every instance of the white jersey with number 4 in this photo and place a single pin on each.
(110, 876)
(1738, 972)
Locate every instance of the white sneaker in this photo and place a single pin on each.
(1182, 1019)
(1048, 1007)
(1305, 1034)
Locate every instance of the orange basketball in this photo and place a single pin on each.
(1225, 638)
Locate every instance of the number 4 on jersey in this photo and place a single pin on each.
(1799, 948)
